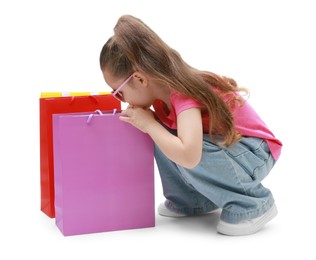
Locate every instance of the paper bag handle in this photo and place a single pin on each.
(100, 113)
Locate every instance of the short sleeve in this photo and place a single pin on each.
(181, 103)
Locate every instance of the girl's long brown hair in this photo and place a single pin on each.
(134, 46)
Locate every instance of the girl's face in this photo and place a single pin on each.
(134, 89)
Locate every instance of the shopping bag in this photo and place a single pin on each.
(104, 174)
(54, 103)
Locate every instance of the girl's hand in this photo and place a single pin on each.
(185, 148)
(141, 118)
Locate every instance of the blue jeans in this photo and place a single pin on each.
(227, 178)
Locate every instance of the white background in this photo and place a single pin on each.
(267, 46)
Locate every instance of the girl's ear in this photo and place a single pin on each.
(140, 78)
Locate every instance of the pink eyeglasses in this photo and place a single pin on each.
(117, 93)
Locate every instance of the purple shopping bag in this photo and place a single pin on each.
(104, 174)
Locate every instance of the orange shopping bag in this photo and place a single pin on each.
(56, 103)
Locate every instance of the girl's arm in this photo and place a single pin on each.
(184, 149)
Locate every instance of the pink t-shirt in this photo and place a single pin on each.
(247, 122)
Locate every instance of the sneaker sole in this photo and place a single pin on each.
(247, 229)
(164, 211)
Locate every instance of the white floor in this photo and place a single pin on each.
(27, 233)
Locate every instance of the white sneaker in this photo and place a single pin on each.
(247, 227)
(164, 211)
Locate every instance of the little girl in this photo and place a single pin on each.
(211, 148)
